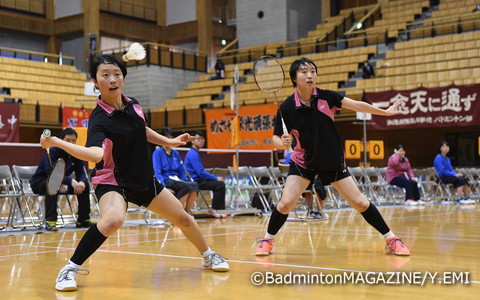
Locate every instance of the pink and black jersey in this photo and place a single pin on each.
(317, 143)
(127, 160)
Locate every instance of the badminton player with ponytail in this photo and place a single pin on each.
(308, 115)
(118, 143)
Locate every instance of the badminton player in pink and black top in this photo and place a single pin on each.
(308, 116)
(118, 143)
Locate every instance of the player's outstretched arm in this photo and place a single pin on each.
(93, 154)
(158, 139)
(365, 107)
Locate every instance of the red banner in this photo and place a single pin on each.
(75, 117)
(9, 115)
(256, 127)
(429, 107)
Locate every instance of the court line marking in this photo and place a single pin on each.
(256, 263)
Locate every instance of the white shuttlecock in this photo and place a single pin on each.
(135, 52)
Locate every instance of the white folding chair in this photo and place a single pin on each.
(10, 196)
(22, 175)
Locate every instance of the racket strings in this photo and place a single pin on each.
(269, 75)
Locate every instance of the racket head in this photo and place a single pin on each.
(54, 181)
(268, 74)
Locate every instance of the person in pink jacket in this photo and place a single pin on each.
(399, 173)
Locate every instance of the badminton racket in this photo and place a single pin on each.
(270, 77)
(135, 52)
(55, 179)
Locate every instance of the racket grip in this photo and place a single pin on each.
(47, 132)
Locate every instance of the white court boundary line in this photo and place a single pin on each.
(251, 262)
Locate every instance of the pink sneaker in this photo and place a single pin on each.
(396, 246)
(265, 246)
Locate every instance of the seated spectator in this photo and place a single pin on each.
(169, 170)
(219, 70)
(78, 185)
(399, 173)
(205, 180)
(443, 166)
(368, 71)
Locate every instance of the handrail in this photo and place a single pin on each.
(297, 45)
(453, 17)
(371, 12)
(38, 53)
(227, 46)
(170, 47)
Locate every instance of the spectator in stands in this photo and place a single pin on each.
(205, 180)
(477, 8)
(308, 115)
(399, 173)
(447, 175)
(78, 184)
(320, 193)
(219, 70)
(170, 171)
(368, 71)
(118, 143)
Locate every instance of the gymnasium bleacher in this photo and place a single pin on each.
(48, 84)
(433, 61)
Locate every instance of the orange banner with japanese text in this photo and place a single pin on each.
(75, 117)
(256, 127)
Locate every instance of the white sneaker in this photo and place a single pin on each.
(465, 201)
(420, 202)
(216, 262)
(411, 203)
(66, 280)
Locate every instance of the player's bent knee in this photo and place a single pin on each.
(184, 220)
(111, 225)
(285, 207)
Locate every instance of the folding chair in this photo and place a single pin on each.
(227, 179)
(10, 196)
(22, 175)
(278, 178)
(200, 193)
(428, 183)
(363, 182)
(265, 183)
(246, 189)
(442, 189)
(93, 196)
(393, 192)
(474, 178)
(377, 185)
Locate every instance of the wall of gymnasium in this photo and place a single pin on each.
(152, 85)
(21, 40)
(181, 11)
(65, 8)
(302, 17)
(72, 45)
(284, 20)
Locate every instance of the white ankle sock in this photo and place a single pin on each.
(389, 235)
(207, 252)
(73, 265)
(269, 236)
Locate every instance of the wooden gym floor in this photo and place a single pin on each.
(156, 262)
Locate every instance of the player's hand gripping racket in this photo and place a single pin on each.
(54, 181)
(270, 77)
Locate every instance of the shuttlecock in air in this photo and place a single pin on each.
(135, 52)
